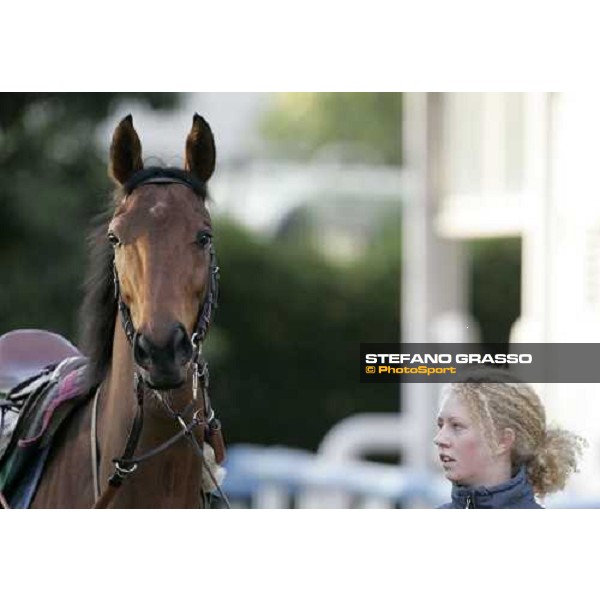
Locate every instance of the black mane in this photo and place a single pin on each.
(99, 309)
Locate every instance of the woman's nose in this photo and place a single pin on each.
(440, 439)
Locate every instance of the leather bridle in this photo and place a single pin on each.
(204, 315)
(202, 417)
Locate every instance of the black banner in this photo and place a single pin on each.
(443, 363)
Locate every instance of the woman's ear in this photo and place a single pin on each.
(506, 440)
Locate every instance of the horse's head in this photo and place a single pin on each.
(162, 237)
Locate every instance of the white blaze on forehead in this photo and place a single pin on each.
(159, 210)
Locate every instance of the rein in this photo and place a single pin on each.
(128, 463)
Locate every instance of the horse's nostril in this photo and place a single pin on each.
(178, 337)
(182, 345)
(141, 350)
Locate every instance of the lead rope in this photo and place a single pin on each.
(200, 453)
(203, 378)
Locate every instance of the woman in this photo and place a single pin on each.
(495, 447)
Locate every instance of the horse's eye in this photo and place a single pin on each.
(203, 239)
(113, 239)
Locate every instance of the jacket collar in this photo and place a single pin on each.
(512, 493)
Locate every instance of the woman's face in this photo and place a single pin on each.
(463, 452)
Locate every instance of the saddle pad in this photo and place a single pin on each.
(11, 405)
(43, 412)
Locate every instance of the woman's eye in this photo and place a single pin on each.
(113, 239)
(203, 239)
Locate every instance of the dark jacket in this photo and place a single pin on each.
(514, 493)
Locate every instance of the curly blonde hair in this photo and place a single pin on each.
(497, 401)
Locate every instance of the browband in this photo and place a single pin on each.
(165, 175)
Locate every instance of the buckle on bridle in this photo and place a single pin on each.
(124, 471)
(196, 343)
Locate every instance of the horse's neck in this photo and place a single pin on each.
(170, 479)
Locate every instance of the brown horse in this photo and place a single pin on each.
(147, 308)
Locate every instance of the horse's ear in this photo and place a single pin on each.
(200, 154)
(125, 152)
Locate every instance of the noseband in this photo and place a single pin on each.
(127, 463)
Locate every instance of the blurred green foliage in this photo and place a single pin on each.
(284, 350)
(495, 286)
(371, 123)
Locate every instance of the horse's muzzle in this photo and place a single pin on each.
(163, 366)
